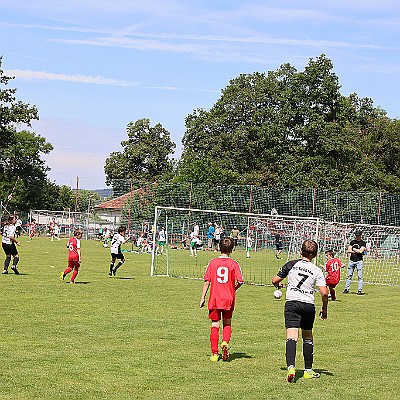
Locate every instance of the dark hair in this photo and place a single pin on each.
(77, 232)
(330, 253)
(10, 218)
(121, 229)
(309, 249)
(226, 245)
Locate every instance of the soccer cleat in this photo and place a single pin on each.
(16, 272)
(291, 374)
(62, 276)
(359, 292)
(311, 374)
(346, 291)
(5, 272)
(71, 281)
(225, 352)
(214, 357)
(110, 273)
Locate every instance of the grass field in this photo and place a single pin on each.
(138, 337)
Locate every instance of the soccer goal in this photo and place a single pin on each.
(258, 262)
(381, 261)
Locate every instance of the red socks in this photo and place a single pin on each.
(226, 333)
(214, 337)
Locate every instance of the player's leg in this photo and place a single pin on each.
(307, 323)
(121, 259)
(215, 316)
(350, 271)
(6, 263)
(15, 262)
(292, 324)
(113, 258)
(359, 266)
(75, 272)
(67, 270)
(226, 333)
(332, 292)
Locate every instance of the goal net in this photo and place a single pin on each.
(381, 261)
(256, 255)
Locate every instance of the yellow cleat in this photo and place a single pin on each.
(62, 276)
(214, 357)
(311, 374)
(291, 374)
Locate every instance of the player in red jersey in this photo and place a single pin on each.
(332, 269)
(224, 276)
(74, 256)
(32, 229)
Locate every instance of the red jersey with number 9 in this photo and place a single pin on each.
(333, 269)
(222, 272)
(73, 245)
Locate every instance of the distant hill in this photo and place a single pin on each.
(104, 193)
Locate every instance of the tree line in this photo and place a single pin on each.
(281, 129)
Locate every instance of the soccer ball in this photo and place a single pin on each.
(277, 294)
(105, 245)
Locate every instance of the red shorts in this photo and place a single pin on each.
(331, 283)
(215, 314)
(73, 264)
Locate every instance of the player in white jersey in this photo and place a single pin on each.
(301, 276)
(115, 248)
(8, 243)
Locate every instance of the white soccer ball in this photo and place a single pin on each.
(105, 245)
(277, 294)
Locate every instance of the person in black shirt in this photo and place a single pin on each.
(356, 249)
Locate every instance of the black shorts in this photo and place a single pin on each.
(118, 256)
(279, 246)
(10, 249)
(299, 315)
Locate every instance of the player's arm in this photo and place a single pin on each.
(360, 250)
(350, 249)
(238, 284)
(324, 295)
(79, 255)
(203, 295)
(276, 281)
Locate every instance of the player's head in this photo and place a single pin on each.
(309, 249)
(78, 232)
(121, 229)
(226, 245)
(358, 234)
(329, 254)
(11, 219)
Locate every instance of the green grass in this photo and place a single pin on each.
(138, 337)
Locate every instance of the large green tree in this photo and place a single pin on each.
(21, 165)
(145, 155)
(290, 128)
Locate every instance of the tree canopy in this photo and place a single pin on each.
(145, 155)
(292, 129)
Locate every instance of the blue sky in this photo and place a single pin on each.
(93, 66)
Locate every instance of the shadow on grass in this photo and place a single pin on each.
(81, 283)
(123, 277)
(234, 356)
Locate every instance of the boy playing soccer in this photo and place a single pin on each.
(74, 256)
(301, 276)
(332, 269)
(115, 248)
(224, 276)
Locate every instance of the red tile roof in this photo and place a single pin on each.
(114, 204)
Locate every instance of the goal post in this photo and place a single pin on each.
(381, 262)
(258, 266)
